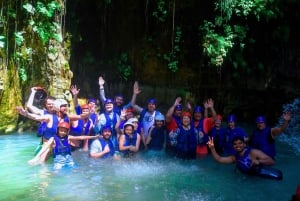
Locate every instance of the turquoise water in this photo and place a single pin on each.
(141, 179)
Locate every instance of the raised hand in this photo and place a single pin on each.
(74, 90)
(21, 110)
(101, 81)
(136, 88)
(210, 142)
(123, 114)
(188, 106)
(287, 116)
(177, 101)
(210, 102)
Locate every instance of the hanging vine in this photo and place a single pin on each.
(220, 37)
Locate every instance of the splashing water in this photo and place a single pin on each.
(291, 135)
(146, 177)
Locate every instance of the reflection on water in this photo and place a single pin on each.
(146, 177)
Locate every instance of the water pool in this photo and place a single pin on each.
(144, 178)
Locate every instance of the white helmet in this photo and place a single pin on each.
(126, 124)
(159, 117)
(132, 120)
(58, 103)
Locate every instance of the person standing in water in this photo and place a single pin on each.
(129, 141)
(263, 137)
(61, 149)
(147, 114)
(103, 147)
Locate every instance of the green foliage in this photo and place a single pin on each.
(173, 57)
(161, 13)
(19, 37)
(23, 74)
(216, 46)
(219, 37)
(124, 67)
(42, 22)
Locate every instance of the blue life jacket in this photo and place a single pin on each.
(50, 132)
(80, 129)
(42, 127)
(243, 163)
(129, 141)
(93, 117)
(262, 140)
(177, 120)
(199, 126)
(112, 122)
(219, 136)
(186, 143)
(103, 143)
(158, 138)
(62, 146)
(117, 110)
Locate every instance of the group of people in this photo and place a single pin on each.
(120, 130)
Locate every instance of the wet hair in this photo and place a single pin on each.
(236, 138)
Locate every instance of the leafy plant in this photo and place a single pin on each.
(216, 46)
(173, 57)
(220, 37)
(42, 21)
(161, 13)
(124, 67)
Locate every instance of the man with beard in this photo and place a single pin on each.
(147, 115)
(109, 118)
(248, 160)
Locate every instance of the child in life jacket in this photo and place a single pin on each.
(60, 145)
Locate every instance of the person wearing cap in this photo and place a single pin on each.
(109, 118)
(218, 134)
(129, 141)
(118, 99)
(201, 120)
(173, 120)
(233, 131)
(103, 147)
(61, 149)
(173, 116)
(146, 114)
(263, 138)
(184, 138)
(157, 135)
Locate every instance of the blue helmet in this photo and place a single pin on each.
(152, 101)
(178, 107)
(108, 101)
(92, 100)
(260, 119)
(198, 109)
(231, 118)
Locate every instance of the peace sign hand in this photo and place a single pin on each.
(210, 142)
